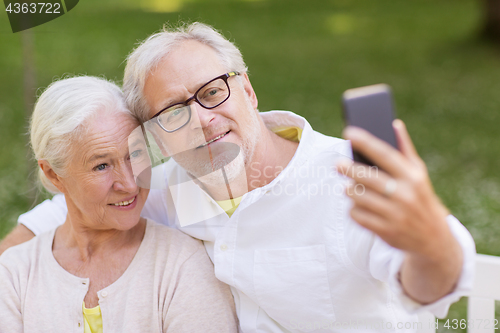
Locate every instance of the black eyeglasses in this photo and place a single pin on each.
(210, 95)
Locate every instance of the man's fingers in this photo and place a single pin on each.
(369, 220)
(370, 200)
(405, 144)
(370, 177)
(378, 151)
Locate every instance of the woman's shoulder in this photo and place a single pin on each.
(173, 239)
(172, 251)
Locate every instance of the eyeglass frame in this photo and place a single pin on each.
(224, 77)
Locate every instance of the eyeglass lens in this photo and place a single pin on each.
(209, 96)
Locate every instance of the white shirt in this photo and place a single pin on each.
(295, 260)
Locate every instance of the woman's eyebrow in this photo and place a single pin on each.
(97, 157)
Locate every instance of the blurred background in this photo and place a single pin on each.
(441, 57)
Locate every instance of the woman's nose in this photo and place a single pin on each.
(125, 180)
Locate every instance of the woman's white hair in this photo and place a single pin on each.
(60, 114)
(144, 59)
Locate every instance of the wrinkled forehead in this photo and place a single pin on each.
(180, 74)
(114, 126)
(189, 54)
(189, 64)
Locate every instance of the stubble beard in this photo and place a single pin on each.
(210, 172)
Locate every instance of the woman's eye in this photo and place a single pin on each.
(101, 167)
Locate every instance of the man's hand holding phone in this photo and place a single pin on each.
(398, 203)
(400, 206)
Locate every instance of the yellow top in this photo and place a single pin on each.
(92, 319)
(230, 205)
(286, 132)
(290, 133)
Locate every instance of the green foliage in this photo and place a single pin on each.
(302, 55)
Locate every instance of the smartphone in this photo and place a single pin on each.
(370, 108)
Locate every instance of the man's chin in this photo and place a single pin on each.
(204, 160)
(220, 171)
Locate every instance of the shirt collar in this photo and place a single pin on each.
(184, 191)
(273, 119)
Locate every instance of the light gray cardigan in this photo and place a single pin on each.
(169, 285)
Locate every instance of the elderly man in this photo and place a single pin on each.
(262, 191)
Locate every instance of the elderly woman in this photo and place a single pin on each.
(106, 268)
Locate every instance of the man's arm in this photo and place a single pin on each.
(45, 216)
(399, 205)
(19, 235)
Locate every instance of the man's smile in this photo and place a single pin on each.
(218, 137)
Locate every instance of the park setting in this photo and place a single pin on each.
(441, 59)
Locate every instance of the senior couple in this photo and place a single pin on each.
(283, 250)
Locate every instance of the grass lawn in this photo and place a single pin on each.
(302, 55)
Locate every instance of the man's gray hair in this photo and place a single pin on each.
(59, 114)
(147, 56)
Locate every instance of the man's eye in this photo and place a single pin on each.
(173, 115)
(213, 92)
(101, 167)
(136, 153)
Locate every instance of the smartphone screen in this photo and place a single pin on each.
(370, 108)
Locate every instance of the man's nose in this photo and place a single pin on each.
(201, 117)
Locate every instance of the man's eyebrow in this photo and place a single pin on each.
(136, 142)
(168, 103)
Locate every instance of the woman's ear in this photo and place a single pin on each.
(51, 175)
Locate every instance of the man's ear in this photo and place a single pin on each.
(247, 86)
(51, 175)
